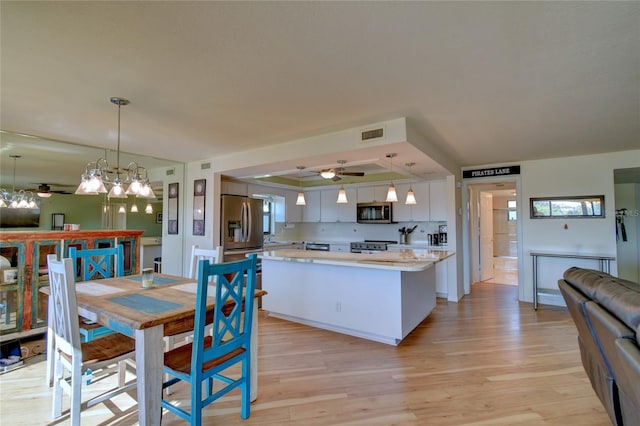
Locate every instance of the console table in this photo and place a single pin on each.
(24, 312)
(604, 264)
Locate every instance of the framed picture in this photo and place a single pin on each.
(199, 187)
(57, 221)
(158, 217)
(172, 220)
(9, 275)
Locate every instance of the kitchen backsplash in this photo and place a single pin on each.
(347, 232)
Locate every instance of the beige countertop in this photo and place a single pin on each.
(403, 260)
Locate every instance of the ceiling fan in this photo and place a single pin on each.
(44, 190)
(336, 173)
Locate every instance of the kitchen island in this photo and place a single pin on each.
(379, 296)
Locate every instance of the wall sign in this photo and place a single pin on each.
(491, 171)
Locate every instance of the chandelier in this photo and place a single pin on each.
(17, 199)
(98, 174)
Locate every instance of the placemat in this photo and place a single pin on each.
(142, 303)
(95, 289)
(156, 280)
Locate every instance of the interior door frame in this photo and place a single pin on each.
(469, 256)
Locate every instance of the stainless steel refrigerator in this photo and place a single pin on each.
(242, 230)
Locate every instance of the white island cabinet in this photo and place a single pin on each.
(380, 296)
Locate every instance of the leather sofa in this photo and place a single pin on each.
(606, 311)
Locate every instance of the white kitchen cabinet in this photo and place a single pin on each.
(234, 188)
(442, 278)
(368, 194)
(412, 213)
(293, 213)
(330, 211)
(340, 247)
(311, 212)
(438, 201)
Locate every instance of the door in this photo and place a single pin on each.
(254, 229)
(232, 221)
(486, 236)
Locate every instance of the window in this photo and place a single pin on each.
(267, 208)
(512, 213)
(591, 206)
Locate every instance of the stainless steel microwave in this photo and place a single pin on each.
(380, 212)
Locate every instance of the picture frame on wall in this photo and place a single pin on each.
(158, 217)
(172, 219)
(199, 189)
(57, 221)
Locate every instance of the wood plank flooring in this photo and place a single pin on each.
(488, 360)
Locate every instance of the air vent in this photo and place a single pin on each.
(373, 134)
(170, 172)
(205, 166)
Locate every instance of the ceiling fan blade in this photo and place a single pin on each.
(336, 178)
(352, 173)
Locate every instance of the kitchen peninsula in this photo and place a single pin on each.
(379, 296)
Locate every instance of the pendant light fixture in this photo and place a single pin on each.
(411, 197)
(300, 201)
(148, 209)
(17, 199)
(391, 192)
(98, 173)
(121, 209)
(134, 208)
(342, 196)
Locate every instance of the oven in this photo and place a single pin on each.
(370, 246)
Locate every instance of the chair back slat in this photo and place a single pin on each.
(98, 263)
(65, 309)
(231, 329)
(198, 254)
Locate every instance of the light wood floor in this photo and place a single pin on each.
(488, 360)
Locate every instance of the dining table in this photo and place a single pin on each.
(148, 315)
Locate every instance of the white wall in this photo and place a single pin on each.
(567, 176)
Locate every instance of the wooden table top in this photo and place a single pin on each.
(123, 305)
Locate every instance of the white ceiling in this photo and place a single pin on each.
(484, 82)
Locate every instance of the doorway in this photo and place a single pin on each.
(494, 233)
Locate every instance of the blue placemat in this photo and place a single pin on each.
(156, 280)
(146, 304)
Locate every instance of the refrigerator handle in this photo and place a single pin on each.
(249, 222)
(243, 221)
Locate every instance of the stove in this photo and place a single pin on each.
(370, 246)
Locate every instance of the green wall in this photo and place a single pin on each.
(86, 210)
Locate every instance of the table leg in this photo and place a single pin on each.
(535, 283)
(50, 339)
(149, 363)
(254, 354)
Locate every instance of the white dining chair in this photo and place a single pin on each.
(73, 358)
(197, 254)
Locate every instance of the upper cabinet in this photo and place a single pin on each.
(437, 201)
(418, 212)
(311, 212)
(234, 188)
(367, 194)
(330, 211)
(293, 213)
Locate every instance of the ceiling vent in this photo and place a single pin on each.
(205, 166)
(372, 134)
(170, 172)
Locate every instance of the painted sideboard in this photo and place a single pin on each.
(23, 309)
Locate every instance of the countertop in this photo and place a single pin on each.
(404, 260)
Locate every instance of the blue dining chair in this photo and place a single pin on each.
(208, 356)
(96, 264)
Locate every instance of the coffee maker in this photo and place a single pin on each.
(442, 235)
